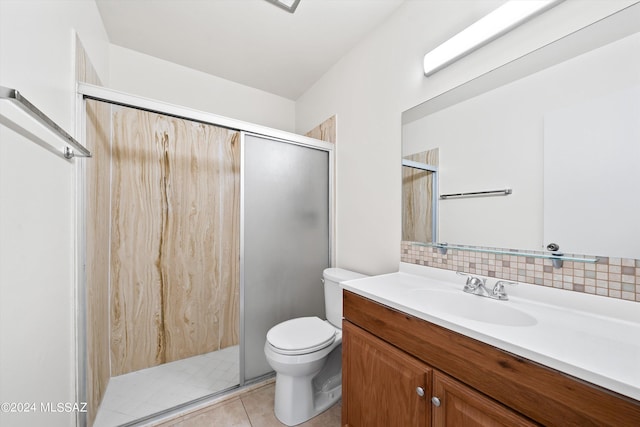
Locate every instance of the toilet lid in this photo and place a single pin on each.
(301, 335)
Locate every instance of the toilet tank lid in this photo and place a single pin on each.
(340, 275)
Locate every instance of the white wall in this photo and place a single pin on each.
(37, 228)
(154, 78)
(370, 87)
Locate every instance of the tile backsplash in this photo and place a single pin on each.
(611, 277)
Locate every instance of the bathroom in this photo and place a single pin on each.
(367, 88)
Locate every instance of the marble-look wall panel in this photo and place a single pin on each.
(97, 170)
(325, 131)
(196, 274)
(137, 220)
(417, 196)
(230, 243)
(175, 239)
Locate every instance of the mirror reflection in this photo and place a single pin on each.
(559, 127)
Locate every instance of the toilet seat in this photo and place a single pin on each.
(301, 336)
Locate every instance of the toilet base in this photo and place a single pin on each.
(309, 403)
(300, 398)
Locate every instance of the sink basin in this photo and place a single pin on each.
(472, 307)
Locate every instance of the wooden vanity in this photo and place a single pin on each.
(400, 370)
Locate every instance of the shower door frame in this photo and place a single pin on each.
(84, 92)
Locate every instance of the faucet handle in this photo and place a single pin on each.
(473, 282)
(498, 289)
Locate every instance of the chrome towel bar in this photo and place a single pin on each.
(504, 192)
(17, 99)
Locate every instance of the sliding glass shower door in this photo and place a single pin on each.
(285, 235)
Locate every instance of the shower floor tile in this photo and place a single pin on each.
(145, 392)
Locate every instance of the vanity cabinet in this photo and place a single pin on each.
(384, 386)
(459, 405)
(388, 355)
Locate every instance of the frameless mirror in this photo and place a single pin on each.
(556, 133)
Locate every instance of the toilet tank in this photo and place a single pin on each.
(333, 292)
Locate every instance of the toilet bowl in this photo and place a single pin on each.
(306, 354)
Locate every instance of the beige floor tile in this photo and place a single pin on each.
(259, 407)
(329, 418)
(250, 409)
(227, 414)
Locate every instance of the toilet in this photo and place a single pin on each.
(306, 354)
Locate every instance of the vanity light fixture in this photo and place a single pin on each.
(495, 24)
(288, 5)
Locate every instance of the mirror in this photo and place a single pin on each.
(558, 127)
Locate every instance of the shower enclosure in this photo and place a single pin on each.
(201, 233)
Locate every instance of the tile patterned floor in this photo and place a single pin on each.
(141, 393)
(250, 409)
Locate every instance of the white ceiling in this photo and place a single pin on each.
(251, 42)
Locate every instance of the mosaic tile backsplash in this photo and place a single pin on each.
(611, 277)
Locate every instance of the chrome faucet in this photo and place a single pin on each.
(477, 285)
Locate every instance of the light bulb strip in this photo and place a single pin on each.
(497, 23)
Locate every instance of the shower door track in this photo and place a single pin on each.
(98, 93)
(85, 91)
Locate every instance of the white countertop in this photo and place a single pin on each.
(590, 337)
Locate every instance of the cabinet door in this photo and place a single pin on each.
(380, 384)
(460, 405)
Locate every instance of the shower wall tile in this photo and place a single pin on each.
(97, 233)
(610, 277)
(325, 131)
